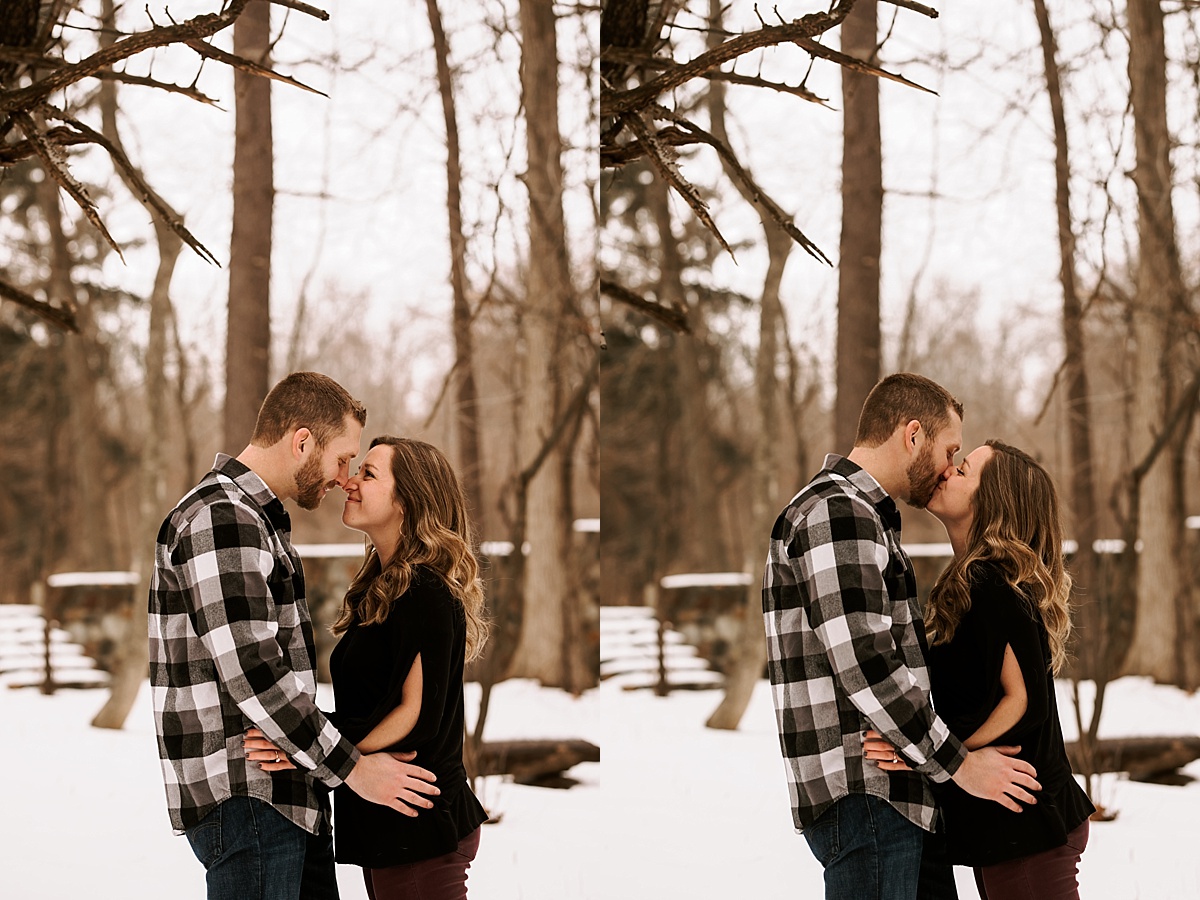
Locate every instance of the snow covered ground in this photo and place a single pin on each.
(705, 814)
(83, 813)
(674, 810)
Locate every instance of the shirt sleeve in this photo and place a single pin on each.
(842, 556)
(226, 561)
(1022, 632)
(436, 646)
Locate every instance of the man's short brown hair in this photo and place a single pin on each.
(900, 398)
(306, 400)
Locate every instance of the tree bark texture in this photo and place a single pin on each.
(466, 410)
(539, 652)
(1161, 587)
(248, 339)
(858, 338)
(1081, 504)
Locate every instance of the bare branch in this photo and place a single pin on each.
(856, 65)
(619, 102)
(915, 7)
(238, 62)
(125, 78)
(55, 315)
(193, 29)
(648, 61)
(662, 157)
(675, 319)
(755, 195)
(138, 187)
(310, 10)
(54, 162)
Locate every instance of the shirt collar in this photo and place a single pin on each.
(866, 484)
(255, 488)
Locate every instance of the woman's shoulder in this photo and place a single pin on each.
(428, 591)
(990, 584)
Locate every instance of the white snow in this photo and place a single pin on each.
(682, 811)
(83, 812)
(704, 814)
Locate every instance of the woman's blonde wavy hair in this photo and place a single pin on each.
(436, 532)
(1016, 528)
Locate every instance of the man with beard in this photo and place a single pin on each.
(846, 654)
(231, 647)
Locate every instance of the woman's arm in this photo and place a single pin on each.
(1008, 711)
(397, 724)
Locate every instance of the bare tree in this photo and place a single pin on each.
(1091, 631)
(858, 335)
(1163, 593)
(466, 409)
(248, 335)
(33, 70)
(751, 651)
(630, 42)
(133, 658)
(543, 502)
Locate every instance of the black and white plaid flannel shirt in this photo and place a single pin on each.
(845, 643)
(231, 646)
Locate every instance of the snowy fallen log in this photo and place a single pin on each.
(1144, 758)
(539, 762)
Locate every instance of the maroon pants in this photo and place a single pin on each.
(440, 878)
(1051, 875)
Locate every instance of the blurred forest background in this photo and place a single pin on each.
(195, 202)
(789, 213)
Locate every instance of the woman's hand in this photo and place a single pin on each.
(880, 752)
(261, 751)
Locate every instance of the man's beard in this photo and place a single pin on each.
(923, 478)
(310, 486)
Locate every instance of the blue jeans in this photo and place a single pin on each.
(320, 873)
(868, 850)
(250, 851)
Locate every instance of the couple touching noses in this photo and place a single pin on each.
(920, 737)
(247, 757)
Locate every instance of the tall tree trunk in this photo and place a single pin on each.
(1083, 520)
(750, 654)
(1091, 621)
(133, 658)
(540, 647)
(1161, 587)
(467, 397)
(698, 516)
(248, 339)
(91, 549)
(858, 338)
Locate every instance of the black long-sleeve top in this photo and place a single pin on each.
(368, 667)
(965, 679)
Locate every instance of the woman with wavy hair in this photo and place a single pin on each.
(412, 619)
(997, 624)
